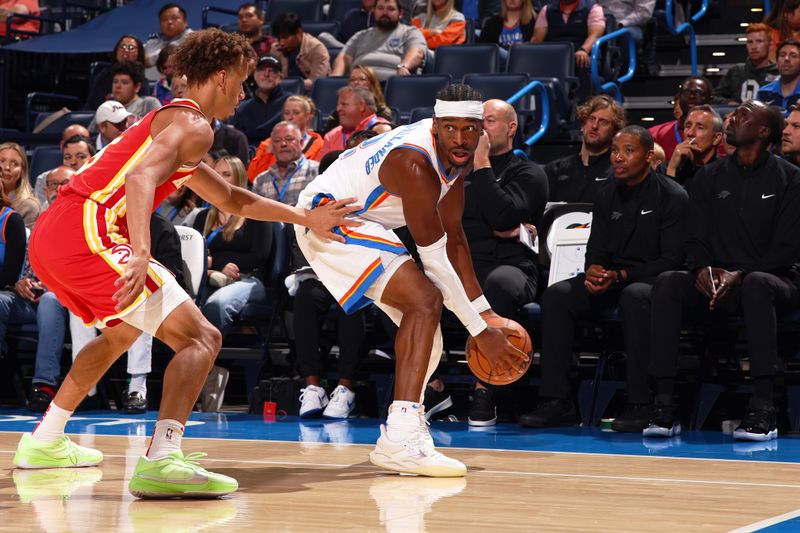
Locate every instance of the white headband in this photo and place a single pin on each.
(465, 109)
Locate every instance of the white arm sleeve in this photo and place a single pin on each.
(443, 275)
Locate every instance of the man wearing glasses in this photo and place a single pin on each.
(693, 91)
(785, 91)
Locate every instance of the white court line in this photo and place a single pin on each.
(767, 522)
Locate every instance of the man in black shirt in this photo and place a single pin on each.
(702, 134)
(577, 178)
(637, 233)
(744, 215)
(502, 193)
(790, 142)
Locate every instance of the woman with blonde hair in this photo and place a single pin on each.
(441, 24)
(16, 183)
(238, 249)
(301, 111)
(364, 76)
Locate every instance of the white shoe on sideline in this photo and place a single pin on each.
(342, 402)
(312, 401)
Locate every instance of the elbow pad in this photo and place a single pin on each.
(443, 275)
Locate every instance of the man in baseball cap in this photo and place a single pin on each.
(259, 113)
(112, 119)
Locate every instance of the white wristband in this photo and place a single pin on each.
(481, 304)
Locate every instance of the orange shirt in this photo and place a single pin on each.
(453, 33)
(25, 25)
(264, 158)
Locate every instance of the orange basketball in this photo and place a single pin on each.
(479, 364)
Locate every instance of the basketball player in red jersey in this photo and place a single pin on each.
(92, 249)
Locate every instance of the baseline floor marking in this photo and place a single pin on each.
(767, 522)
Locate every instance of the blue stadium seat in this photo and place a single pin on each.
(317, 27)
(307, 10)
(554, 62)
(407, 92)
(459, 60)
(293, 85)
(41, 102)
(339, 8)
(501, 86)
(323, 92)
(84, 118)
(44, 158)
(419, 113)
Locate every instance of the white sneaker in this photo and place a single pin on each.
(414, 455)
(213, 393)
(343, 400)
(312, 401)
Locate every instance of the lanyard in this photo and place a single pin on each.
(172, 213)
(372, 122)
(212, 235)
(677, 133)
(282, 191)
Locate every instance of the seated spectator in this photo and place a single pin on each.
(390, 48)
(785, 91)
(238, 250)
(77, 150)
(301, 54)
(693, 91)
(637, 233)
(741, 251)
(578, 178)
(363, 76)
(17, 189)
(250, 20)
(179, 84)
(580, 22)
(505, 192)
(356, 110)
(257, 114)
(128, 79)
(359, 137)
(702, 135)
(784, 23)
(291, 170)
(441, 24)
(514, 25)
(634, 15)
(229, 139)
(68, 132)
(742, 82)
(180, 207)
(790, 141)
(19, 7)
(173, 30)
(162, 90)
(111, 119)
(300, 111)
(658, 157)
(128, 48)
(353, 22)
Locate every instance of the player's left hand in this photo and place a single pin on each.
(323, 219)
(131, 283)
(727, 280)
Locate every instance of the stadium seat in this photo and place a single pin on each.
(83, 118)
(195, 256)
(551, 61)
(501, 86)
(317, 27)
(459, 60)
(307, 10)
(323, 92)
(419, 113)
(339, 8)
(407, 92)
(44, 158)
(293, 85)
(42, 102)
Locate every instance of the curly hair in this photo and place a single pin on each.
(206, 52)
(602, 101)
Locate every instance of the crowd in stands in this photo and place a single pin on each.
(697, 215)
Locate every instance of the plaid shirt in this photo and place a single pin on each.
(271, 184)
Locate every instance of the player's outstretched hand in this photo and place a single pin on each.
(323, 219)
(493, 344)
(131, 283)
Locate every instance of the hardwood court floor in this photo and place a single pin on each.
(294, 486)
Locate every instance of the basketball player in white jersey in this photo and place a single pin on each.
(410, 176)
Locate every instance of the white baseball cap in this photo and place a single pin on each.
(111, 111)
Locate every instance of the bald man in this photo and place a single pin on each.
(503, 192)
(41, 180)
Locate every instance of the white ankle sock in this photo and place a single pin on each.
(51, 426)
(166, 439)
(138, 384)
(403, 420)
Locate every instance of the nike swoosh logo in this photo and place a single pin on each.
(765, 196)
(646, 212)
(196, 479)
(600, 179)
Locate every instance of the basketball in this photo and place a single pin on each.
(479, 364)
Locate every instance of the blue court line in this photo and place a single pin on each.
(692, 444)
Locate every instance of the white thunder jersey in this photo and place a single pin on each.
(355, 174)
(353, 271)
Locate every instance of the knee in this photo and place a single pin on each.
(209, 342)
(429, 304)
(636, 297)
(757, 286)
(557, 295)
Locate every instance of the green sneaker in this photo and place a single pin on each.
(176, 476)
(61, 453)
